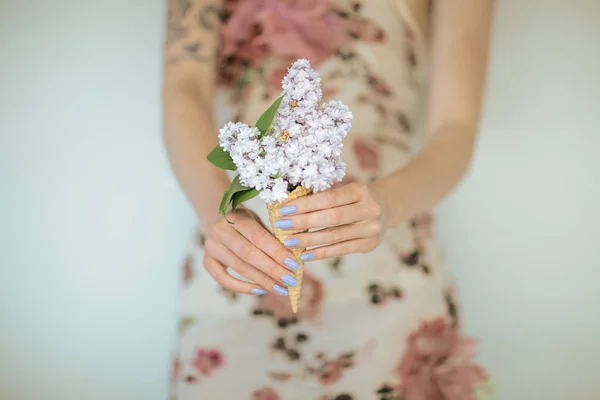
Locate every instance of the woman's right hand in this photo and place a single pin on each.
(248, 248)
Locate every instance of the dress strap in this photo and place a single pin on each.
(420, 38)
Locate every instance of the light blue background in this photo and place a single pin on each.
(93, 227)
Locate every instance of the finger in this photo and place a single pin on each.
(219, 273)
(252, 255)
(275, 251)
(336, 197)
(337, 234)
(246, 253)
(340, 249)
(343, 215)
(227, 257)
(249, 252)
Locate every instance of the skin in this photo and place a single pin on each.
(354, 216)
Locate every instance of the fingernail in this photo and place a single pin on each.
(292, 264)
(280, 290)
(291, 242)
(287, 210)
(307, 256)
(259, 291)
(284, 224)
(289, 280)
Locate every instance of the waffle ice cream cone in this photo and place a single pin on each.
(281, 235)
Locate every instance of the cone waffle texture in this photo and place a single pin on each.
(281, 235)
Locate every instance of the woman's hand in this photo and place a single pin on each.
(252, 251)
(353, 216)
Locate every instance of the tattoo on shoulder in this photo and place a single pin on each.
(211, 17)
(185, 21)
(177, 12)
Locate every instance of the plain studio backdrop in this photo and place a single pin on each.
(93, 226)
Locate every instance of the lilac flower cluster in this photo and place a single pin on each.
(303, 147)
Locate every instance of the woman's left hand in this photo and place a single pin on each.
(353, 217)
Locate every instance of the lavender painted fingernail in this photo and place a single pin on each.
(293, 242)
(284, 224)
(289, 280)
(292, 264)
(307, 256)
(259, 291)
(280, 290)
(287, 210)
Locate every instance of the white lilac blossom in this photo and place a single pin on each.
(303, 147)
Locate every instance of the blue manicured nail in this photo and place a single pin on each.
(280, 290)
(259, 291)
(289, 280)
(292, 264)
(307, 256)
(284, 224)
(293, 242)
(287, 210)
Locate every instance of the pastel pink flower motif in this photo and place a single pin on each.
(438, 364)
(333, 370)
(367, 155)
(206, 360)
(275, 78)
(265, 393)
(288, 28)
(331, 373)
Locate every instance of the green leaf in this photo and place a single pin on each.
(265, 121)
(234, 188)
(240, 197)
(225, 200)
(221, 159)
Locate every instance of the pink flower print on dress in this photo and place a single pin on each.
(438, 364)
(207, 360)
(265, 393)
(333, 370)
(331, 373)
(367, 155)
(287, 28)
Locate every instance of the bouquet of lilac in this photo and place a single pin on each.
(294, 149)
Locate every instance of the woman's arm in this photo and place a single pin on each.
(188, 92)
(459, 54)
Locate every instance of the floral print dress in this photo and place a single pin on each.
(378, 326)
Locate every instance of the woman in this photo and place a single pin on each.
(378, 315)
